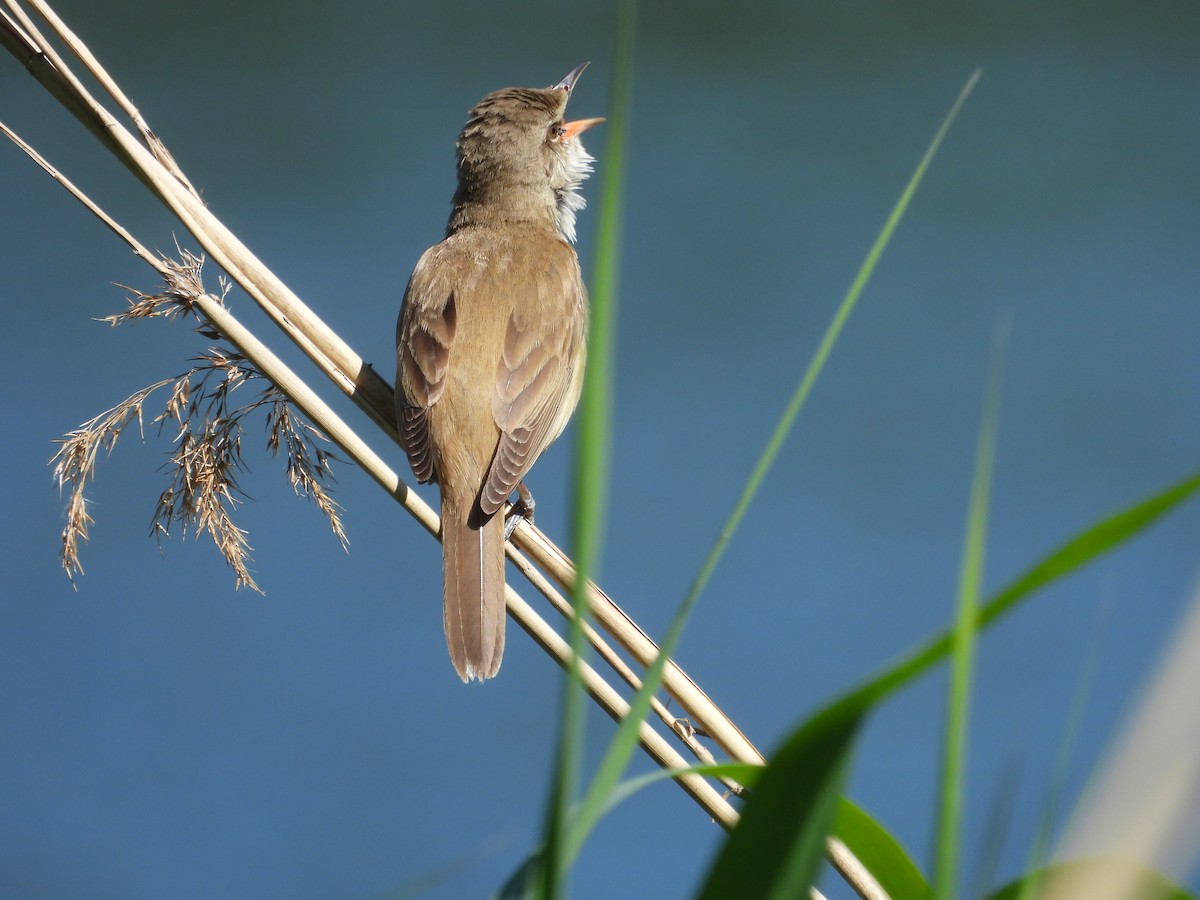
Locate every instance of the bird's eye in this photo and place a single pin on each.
(557, 131)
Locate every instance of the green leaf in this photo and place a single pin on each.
(880, 853)
(777, 847)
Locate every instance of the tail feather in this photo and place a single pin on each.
(473, 602)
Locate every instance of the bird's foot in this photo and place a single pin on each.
(521, 510)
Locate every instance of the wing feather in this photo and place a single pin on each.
(424, 334)
(538, 377)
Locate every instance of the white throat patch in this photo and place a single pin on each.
(574, 166)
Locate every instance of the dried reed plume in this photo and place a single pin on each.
(207, 456)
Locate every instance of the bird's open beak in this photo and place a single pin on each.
(570, 78)
(579, 126)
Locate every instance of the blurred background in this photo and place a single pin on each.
(165, 735)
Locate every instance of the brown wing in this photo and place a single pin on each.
(538, 377)
(424, 333)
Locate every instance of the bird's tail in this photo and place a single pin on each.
(473, 602)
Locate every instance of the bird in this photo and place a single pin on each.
(491, 343)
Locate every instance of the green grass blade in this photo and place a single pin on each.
(622, 746)
(1069, 557)
(527, 882)
(824, 349)
(592, 459)
(970, 581)
(777, 847)
(880, 853)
